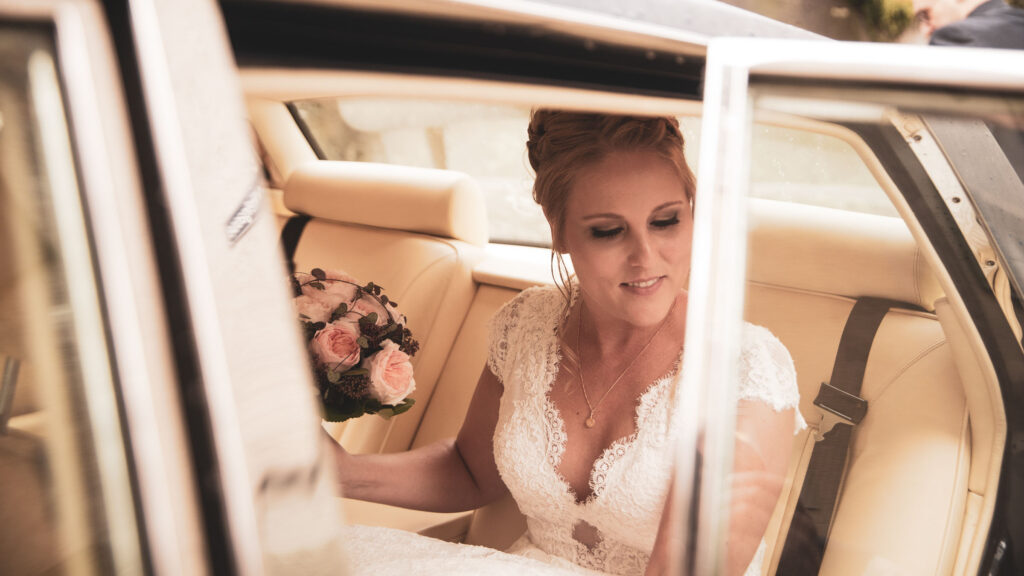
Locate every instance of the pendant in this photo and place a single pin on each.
(589, 422)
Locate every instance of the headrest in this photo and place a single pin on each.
(438, 202)
(838, 252)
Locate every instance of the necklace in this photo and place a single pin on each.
(590, 421)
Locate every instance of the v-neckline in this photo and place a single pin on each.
(624, 442)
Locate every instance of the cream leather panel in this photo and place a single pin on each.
(437, 202)
(986, 443)
(988, 434)
(837, 252)
(455, 387)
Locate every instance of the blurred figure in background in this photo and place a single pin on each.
(981, 23)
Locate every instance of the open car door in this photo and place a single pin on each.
(942, 131)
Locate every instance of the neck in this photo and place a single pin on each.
(615, 336)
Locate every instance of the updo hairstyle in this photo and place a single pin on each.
(562, 144)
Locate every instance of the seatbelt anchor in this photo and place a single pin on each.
(837, 407)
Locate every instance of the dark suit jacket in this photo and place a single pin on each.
(991, 25)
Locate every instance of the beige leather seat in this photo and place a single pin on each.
(902, 501)
(416, 232)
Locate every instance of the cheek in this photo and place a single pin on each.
(593, 260)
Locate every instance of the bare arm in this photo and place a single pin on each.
(760, 463)
(764, 443)
(446, 476)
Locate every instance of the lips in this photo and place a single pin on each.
(645, 283)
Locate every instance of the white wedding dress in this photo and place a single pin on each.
(628, 482)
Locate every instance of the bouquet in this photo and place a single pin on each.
(359, 344)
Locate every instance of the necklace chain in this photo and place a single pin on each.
(590, 421)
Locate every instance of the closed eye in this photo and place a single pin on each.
(666, 222)
(605, 232)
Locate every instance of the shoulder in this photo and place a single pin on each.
(523, 319)
(767, 372)
(538, 301)
(760, 340)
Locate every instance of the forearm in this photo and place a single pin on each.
(433, 478)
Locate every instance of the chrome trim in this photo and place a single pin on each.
(876, 63)
(715, 313)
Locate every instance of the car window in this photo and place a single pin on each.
(66, 502)
(486, 142)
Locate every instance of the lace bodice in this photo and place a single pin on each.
(629, 481)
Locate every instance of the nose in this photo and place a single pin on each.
(640, 249)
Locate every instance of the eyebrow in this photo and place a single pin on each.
(613, 215)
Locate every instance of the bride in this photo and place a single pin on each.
(573, 414)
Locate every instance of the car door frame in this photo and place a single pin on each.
(734, 67)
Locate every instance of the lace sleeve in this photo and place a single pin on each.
(499, 334)
(767, 373)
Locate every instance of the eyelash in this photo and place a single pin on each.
(603, 234)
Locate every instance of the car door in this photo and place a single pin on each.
(150, 421)
(942, 130)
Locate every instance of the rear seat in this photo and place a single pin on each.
(903, 499)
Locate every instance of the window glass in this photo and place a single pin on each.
(65, 496)
(835, 287)
(801, 166)
(486, 142)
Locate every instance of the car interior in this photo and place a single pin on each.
(922, 468)
(418, 184)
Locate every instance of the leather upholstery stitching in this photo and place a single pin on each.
(908, 366)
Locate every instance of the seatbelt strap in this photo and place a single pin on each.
(841, 408)
(290, 235)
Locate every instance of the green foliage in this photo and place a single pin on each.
(885, 19)
(347, 407)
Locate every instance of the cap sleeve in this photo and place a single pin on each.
(499, 335)
(767, 373)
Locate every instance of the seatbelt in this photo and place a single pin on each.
(841, 408)
(290, 235)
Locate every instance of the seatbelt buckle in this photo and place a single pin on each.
(837, 407)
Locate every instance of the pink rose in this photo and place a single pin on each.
(390, 374)
(367, 305)
(335, 345)
(314, 309)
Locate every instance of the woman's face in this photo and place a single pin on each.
(628, 229)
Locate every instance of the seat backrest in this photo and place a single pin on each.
(415, 232)
(901, 506)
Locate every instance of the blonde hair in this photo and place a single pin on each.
(561, 144)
